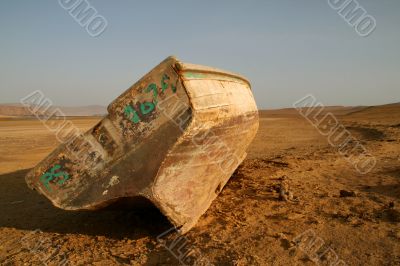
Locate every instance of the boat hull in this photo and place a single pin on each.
(175, 137)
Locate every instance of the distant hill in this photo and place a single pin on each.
(15, 109)
(337, 110)
(10, 110)
(378, 113)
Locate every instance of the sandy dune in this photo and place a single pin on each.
(250, 223)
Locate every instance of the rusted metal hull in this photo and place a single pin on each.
(175, 137)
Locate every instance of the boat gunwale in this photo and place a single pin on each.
(187, 67)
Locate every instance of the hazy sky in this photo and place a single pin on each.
(287, 49)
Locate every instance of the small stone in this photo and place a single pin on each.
(282, 178)
(313, 220)
(283, 196)
(324, 195)
(290, 195)
(280, 235)
(286, 243)
(293, 251)
(345, 194)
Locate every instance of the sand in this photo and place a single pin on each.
(288, 188)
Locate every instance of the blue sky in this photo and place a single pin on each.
(287, 49)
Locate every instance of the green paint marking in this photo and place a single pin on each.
(194, 75)
(153, 87)
(47, 177)
(164, 85)
(147, 107)
(131, 114)
(173, 88)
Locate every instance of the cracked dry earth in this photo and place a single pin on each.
(294, 201)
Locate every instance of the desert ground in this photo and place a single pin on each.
(283, 205)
